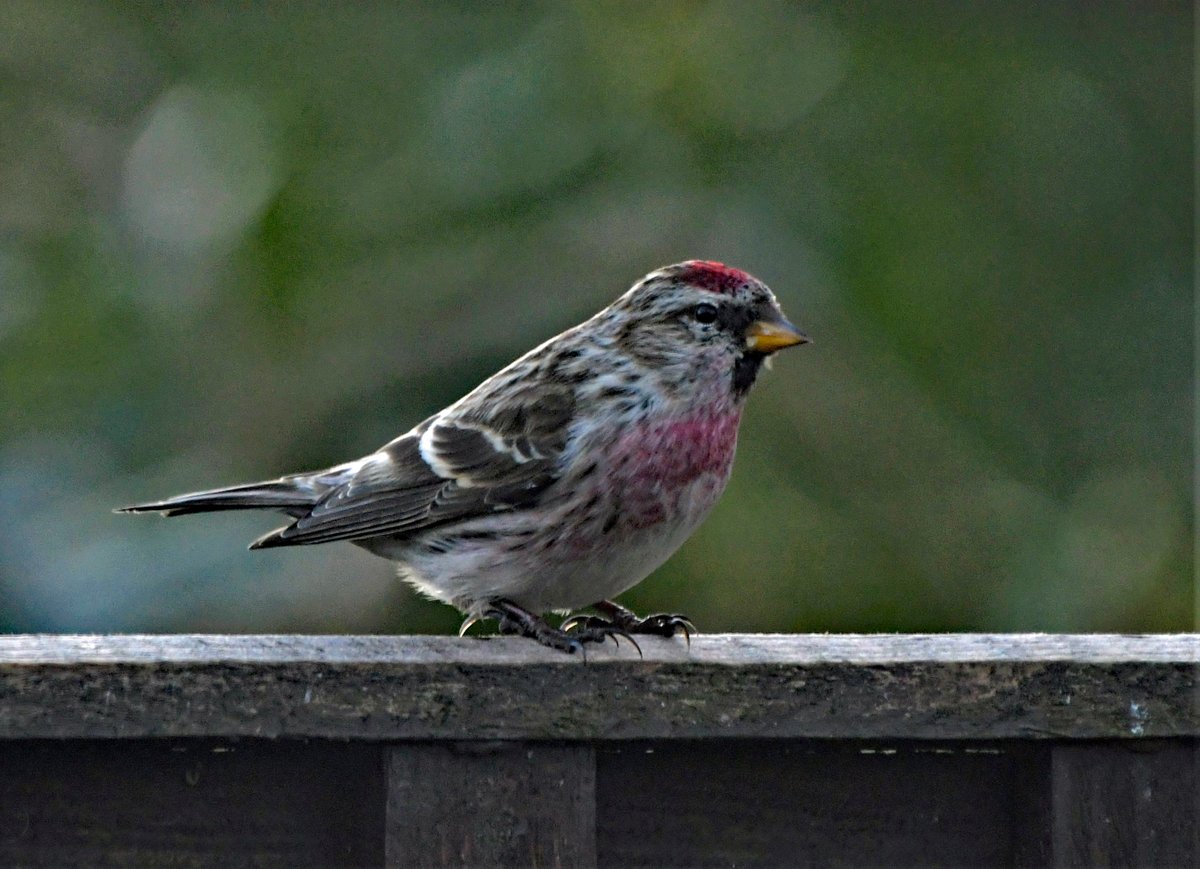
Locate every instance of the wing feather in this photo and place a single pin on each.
(453, 467)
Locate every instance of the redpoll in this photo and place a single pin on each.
(565, 478)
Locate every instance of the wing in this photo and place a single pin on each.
(461, 464)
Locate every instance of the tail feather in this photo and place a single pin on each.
(292, 496)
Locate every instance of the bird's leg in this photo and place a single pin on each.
(518, 620)
(625, 620)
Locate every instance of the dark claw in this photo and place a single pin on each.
(667, 625)
(593, 629)
(577, 630)
(620, 633)
(571, 622)
(513, 619)
(659, 624)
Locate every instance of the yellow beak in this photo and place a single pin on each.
(767, 336)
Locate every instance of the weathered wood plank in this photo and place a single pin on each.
(386, 688)
(821, 803)
(485, 804)
(722, 649)
(199, 803)
(1125, 804)
(782, 803)
(1032, 803)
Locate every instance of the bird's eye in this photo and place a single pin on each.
(705, 313)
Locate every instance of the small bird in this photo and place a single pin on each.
(565, 478)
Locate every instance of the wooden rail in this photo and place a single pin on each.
(749, 750)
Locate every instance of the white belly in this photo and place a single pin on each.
(543, 568)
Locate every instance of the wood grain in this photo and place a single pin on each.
(724, 686)
(195, 803)
(491, 804)
(784, 803)
(1125, 804)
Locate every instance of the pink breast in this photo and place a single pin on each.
(672, 468)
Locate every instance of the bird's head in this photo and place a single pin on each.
(697, 320)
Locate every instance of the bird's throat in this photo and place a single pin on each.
(745, 371)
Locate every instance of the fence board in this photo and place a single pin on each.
(196, 803)
(777, 803)
(491, 804)
(750, 750)
(388, 688)
(1125, 804)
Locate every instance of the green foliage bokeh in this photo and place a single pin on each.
(238, 240)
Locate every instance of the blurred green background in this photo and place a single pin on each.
(238, 240)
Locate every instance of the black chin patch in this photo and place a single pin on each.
(745, 370)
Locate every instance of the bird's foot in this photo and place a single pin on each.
(621, 621)
(593, 629)
(513, 619)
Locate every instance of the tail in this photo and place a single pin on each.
(294, 496)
